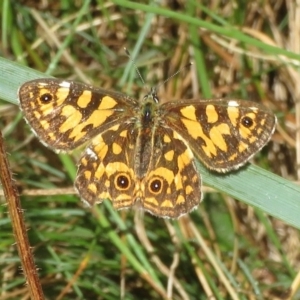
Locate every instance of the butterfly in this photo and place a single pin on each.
(143, 152)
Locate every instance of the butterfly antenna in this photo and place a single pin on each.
(154, 89)
(173, 75)
(135, 66)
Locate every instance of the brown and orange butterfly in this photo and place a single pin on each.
(143, 152)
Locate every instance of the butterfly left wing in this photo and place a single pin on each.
(106, 168)
(223, 134)
(65, 114)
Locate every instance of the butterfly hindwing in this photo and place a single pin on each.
(172, 184)
(170, 187)
(106, 169)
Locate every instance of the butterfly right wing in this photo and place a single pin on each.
(172, 185)
(65, 114)
(223, 134)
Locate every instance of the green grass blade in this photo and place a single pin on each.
(228, 31)
(252, 185)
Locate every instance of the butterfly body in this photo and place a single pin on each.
(143, 152)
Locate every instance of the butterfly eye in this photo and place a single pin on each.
(155, 185)
(122, 182)
(247, 121)
(46, 98)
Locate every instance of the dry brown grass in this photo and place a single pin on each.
(225, 250)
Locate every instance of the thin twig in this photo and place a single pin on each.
(18, 225)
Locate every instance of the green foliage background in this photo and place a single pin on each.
(227, 249)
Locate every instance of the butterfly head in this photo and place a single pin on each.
(151, 96)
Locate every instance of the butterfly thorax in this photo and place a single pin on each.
(146, 125)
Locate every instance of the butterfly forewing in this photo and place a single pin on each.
(223, 134)
(65, 114)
